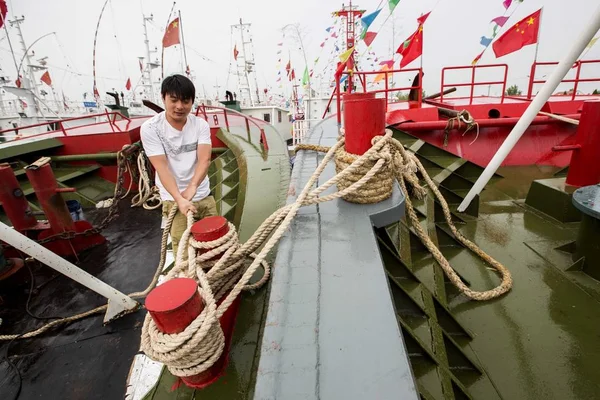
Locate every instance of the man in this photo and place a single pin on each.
(178, 146)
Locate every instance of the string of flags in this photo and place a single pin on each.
(498, 24)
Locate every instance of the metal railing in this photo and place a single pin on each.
(215, 119)
(362, 77)
(111, 118)
(576, 81)
(472, 84)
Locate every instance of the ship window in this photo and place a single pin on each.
(278, 116)
(267, 117)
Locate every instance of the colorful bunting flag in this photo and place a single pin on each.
(235, 52)
(305, 76)
(369, 37)
(346, 55)
(393, 4)
(380, 77)
(485, 41)
(500, 21)
(507, 3)
(523, 33)
(367, 20)
(476, 59)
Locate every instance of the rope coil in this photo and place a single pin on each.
(200, 345)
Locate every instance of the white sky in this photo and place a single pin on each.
(452, 35)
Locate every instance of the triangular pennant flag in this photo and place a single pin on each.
(381, 76)
(367, 20)
(235, 52)
(369, 37)
(421, 20)
(507, 3)
(476, 59)
(388, 63)
(393, 4)
(500, 20)
(485, 41)
(305, 76)
(346, 55)
(128, 84)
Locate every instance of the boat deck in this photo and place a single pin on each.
(83, 360)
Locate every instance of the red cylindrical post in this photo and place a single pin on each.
(364, 118)
(45, 186)
(13, 200)
(584, 169)
(209, 229)
(174, 304)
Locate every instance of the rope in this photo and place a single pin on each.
(560, 118)
(147, 197)
(103, 308)
(462, 117)
(200, 345)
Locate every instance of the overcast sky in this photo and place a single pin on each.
(452, 36)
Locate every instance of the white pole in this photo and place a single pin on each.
(117, 301)
(534, 108)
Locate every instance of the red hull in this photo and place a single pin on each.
(535, 147)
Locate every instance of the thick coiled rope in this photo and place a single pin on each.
(200, 345)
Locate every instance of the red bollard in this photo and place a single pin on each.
(364, 118)
(14, 202)
(173, 308)
(174, 304)
(584, 169)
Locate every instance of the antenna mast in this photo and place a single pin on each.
(350, 13)
(147, 71)
(246, 64)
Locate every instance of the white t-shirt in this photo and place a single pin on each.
(180, 147)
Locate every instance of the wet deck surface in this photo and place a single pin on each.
(331, 331)
(82, 360)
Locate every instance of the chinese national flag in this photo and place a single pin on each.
(172, 34)
(128, 84)
(46, 78)
(412, 48)
(523, 33)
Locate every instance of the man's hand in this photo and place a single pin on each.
(189, 192)
(185, 205)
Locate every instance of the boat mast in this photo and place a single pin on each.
(350, 13)
(147, 74)
(186, 66)
(246, 66)
(28, 78)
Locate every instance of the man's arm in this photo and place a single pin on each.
(204, 157)
(161, 166)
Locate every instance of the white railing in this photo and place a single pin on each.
(299, 131)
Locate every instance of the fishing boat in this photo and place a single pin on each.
(430, 290)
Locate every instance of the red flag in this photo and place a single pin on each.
(46, 78)
(18, 82)
(369, 37)
(292, 76)
(288, 67)
(521, 34)
(235, 52)
(128, 84)
(3, 11)
(172, 34)
(141, 65)
(412, 48)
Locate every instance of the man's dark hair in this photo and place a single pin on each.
(178, 86)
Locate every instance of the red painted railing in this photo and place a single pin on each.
(202, 109)
(473, 83)
(362, 77)
(576, 81)
(111, 118)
